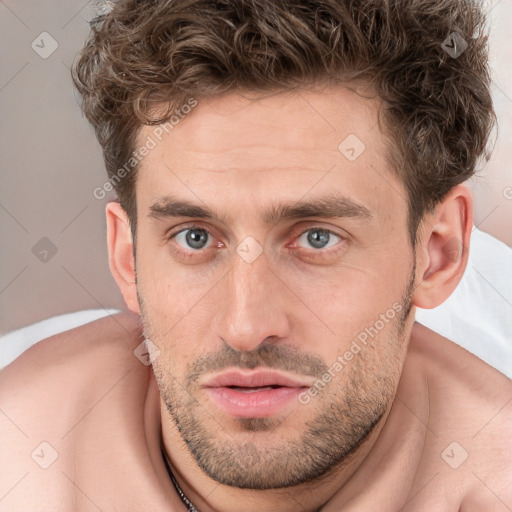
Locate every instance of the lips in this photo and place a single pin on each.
(254, 379)
(254, 393)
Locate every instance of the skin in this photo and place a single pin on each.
(215, 309)
(233, 156)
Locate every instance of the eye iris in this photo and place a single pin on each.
(196, 238)
(318, 238)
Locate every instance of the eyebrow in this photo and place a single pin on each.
(331, 206)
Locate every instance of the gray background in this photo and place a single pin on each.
(51, 163)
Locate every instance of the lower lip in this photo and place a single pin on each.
(254, 404)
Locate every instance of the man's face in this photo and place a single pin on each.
(289, 299)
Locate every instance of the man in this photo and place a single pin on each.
(290, 181)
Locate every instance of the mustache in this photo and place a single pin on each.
(271, 356)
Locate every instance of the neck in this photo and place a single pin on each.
(371, 475)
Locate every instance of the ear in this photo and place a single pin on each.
(443, 248)
(120, 253)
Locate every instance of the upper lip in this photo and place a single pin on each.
(253, 379)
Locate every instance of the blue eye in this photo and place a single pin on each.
(194, 241)
(319, 238)
(192, 238)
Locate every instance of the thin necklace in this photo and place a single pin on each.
(191, 507)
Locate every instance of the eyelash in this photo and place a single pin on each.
(188, 254)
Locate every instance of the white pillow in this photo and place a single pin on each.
(13, 344)
(478, 314)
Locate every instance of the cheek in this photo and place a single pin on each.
(349, 295)
(357, 309)
(170, 291)
(176, 318)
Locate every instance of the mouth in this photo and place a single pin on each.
(253, 390)
(254, 394)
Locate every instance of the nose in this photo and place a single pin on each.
(252, 306)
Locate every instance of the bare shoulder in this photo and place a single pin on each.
(71, 350)
(450, 364)
(470, 422)
(49, 389)
(69, 362)
(449, 360)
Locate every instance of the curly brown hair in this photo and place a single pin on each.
(437, 107)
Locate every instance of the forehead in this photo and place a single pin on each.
(257, 150)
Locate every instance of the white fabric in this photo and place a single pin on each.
(13, 344)
(477, 316)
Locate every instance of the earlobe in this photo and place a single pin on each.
(443, 251)
(120, 253)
